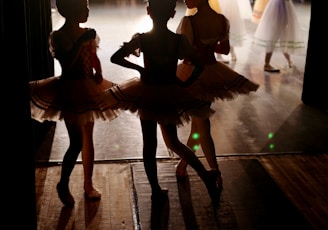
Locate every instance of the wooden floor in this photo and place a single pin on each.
(301, 177)
(289, 139)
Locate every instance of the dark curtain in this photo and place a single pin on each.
(24, 27)
(315, 77)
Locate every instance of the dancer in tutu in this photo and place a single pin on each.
(217, 81)
(278, 29)
(215, 5)
(236, 11)
(76, 96)
(158, 97)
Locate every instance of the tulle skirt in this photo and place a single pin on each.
(80, 100)
(245, 8)
(166, 104)
(231, 9)
(218, 82)
(279, 29)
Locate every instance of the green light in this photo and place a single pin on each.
(195, 136)
(270, 135)
(271, 146)
(196, 147)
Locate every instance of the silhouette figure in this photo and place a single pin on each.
(76, 96)
(208, 31)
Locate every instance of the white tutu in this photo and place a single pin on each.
(245, 9)
(231, 9)
(279, 29)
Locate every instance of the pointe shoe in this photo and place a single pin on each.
(271, 69)
(210, 180)
(64, 195)
(91, 192)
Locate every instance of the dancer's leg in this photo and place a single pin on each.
(149, 134)
(88, 154)
(289, 60)
(267, 65)
(170, 136)
(193, 143)
(69, 161)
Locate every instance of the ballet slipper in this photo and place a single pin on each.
(91, 192)
(210, 180)
(64, 194)
(271, 69)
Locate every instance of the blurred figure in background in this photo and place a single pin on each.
(278, 29)
(237, 11)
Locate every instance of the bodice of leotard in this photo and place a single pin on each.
(160, 67)
(205, 47)
(76, 58)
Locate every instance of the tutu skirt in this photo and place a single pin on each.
(218, 82)
(279, 29)
(81, 100)
(245, 8)
(165, 103)
(231, 9)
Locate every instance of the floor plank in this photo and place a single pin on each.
(113, 211)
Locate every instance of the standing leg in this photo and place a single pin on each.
(201, 134)
(208, 146)
(207, 143)
(267, 66)
(170, 136)
(69, 161)
(88, 155)
(193, 143)
(149, 134)
(290, 62)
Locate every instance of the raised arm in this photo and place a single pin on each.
(128, 48)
